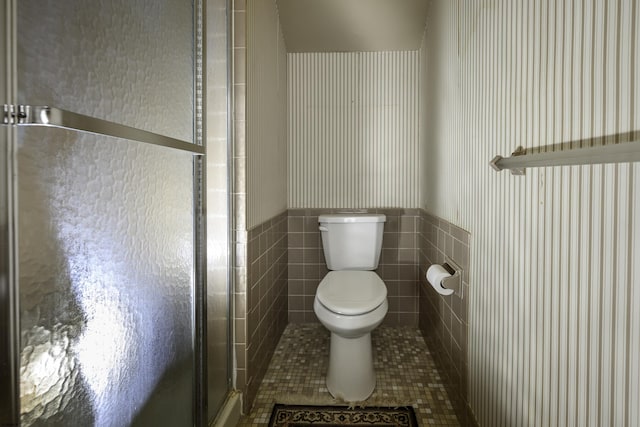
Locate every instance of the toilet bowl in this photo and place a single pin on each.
(350, 318)
(350, 303)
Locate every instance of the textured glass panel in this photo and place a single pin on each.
(128, 61)
(106, 281)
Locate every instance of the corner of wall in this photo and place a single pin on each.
(423, 120)
(260, 185)
(266, 167)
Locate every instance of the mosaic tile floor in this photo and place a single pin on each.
(406, 375)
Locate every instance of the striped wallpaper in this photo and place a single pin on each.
(266, 106)
(353, 130)
(555, 255)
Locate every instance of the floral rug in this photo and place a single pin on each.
(303, 415)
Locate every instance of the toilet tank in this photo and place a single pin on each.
(352, 241)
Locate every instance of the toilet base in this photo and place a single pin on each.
(351, 376)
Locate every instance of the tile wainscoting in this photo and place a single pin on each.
(443, 320)
(266, 303)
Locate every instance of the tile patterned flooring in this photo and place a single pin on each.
(406, 375)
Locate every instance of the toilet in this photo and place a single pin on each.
(351, 300)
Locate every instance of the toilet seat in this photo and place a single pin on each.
(351, 293)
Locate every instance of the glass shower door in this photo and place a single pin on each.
(106, 281)
(103, 240)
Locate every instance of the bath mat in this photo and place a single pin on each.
(374, 416)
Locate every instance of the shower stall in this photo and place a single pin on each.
(107, 293)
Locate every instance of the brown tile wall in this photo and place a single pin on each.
(266, 302)
(398, 265)
(444, 319)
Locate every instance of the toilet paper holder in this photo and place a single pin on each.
(455, 281)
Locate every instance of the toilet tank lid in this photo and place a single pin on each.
(351, 217)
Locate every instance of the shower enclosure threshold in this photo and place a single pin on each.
(230, 412)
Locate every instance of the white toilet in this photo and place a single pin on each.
(351, 300)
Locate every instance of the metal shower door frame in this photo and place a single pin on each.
(9, 312)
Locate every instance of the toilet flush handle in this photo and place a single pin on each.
(323, 228)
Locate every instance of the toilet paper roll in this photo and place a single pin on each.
(435, 274)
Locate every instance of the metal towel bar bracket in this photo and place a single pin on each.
(28, 115)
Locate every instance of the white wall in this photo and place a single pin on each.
(555, 275)
(266, 106)
(353, 130)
